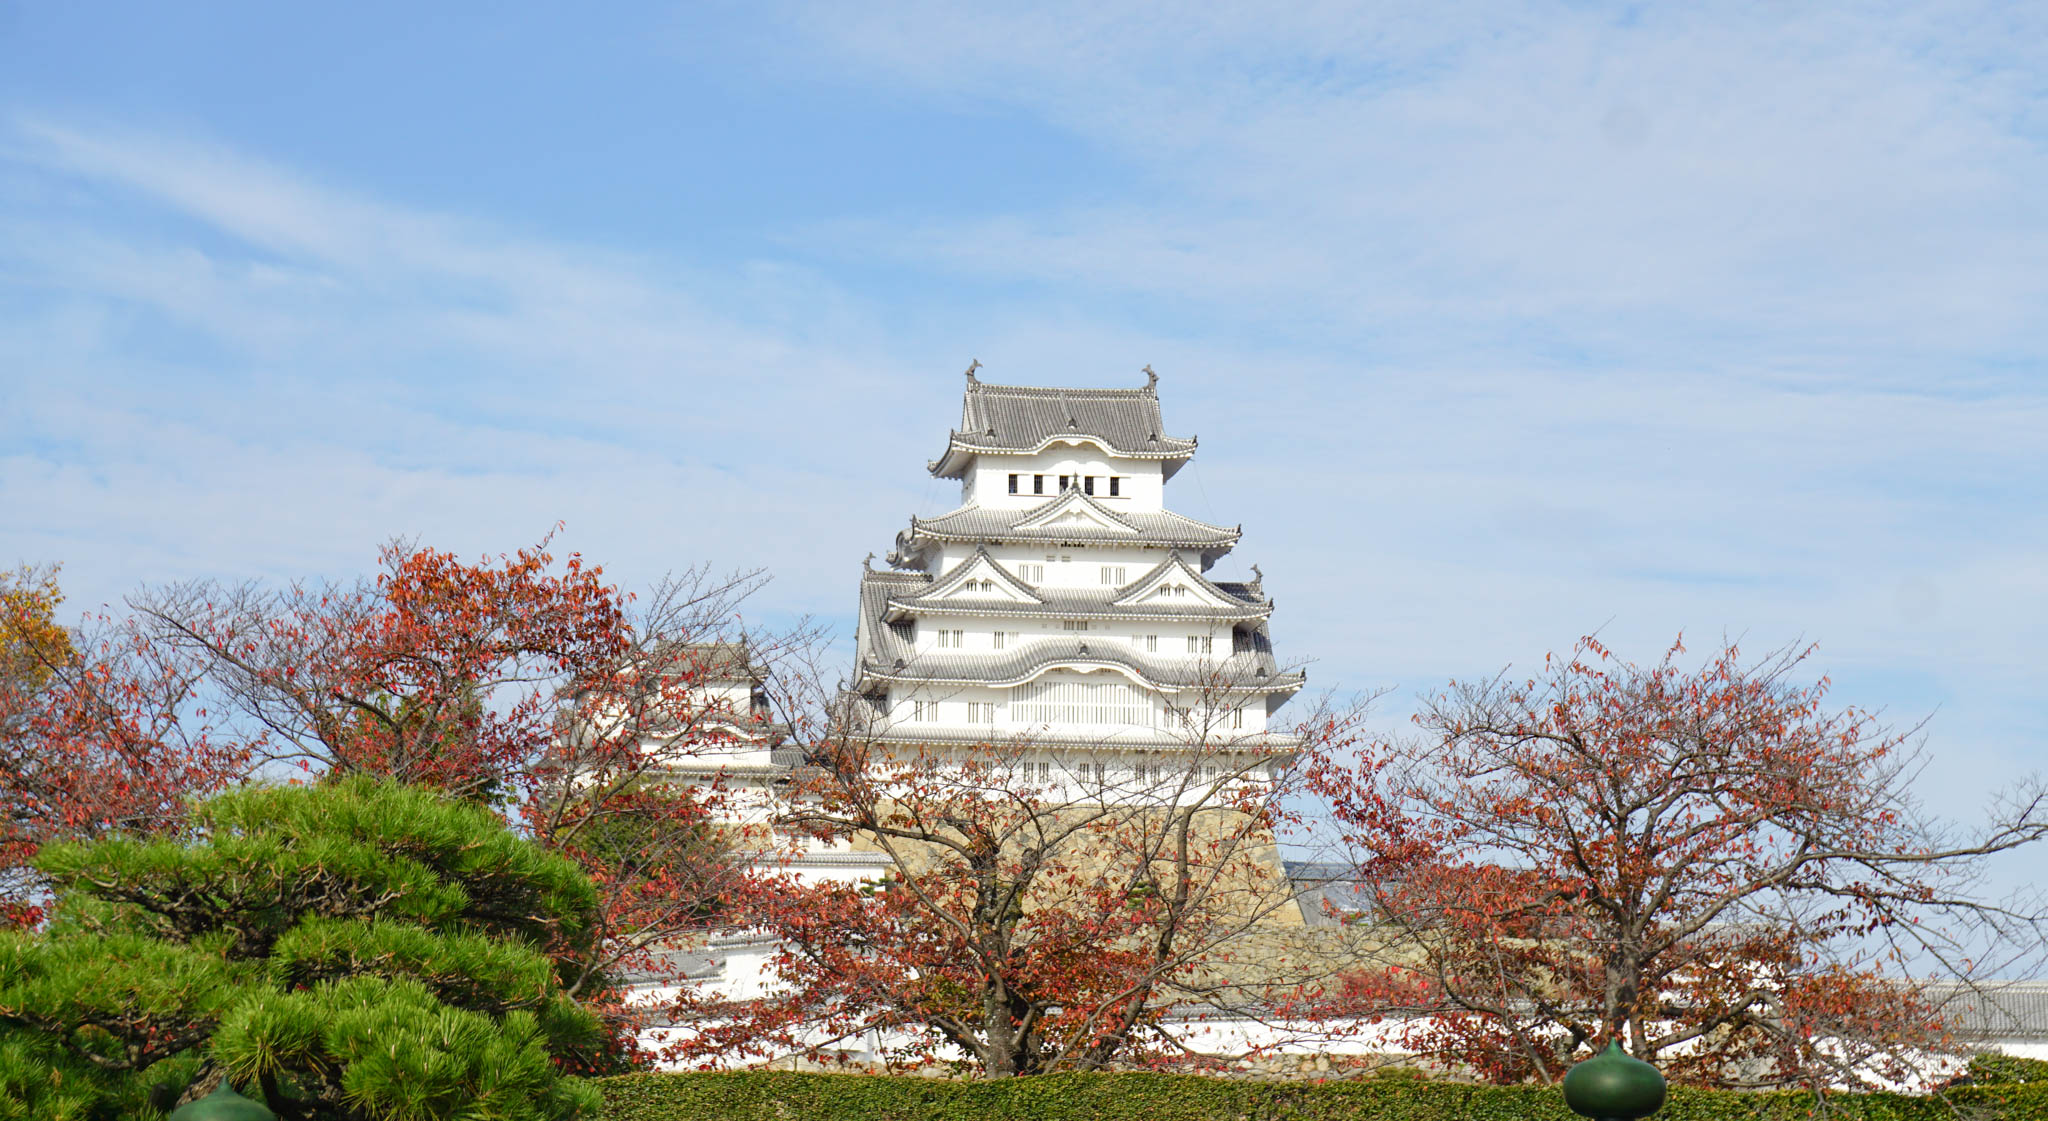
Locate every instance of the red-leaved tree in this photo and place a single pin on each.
(520, 682)
(1041, 910)
(100, 732)
(1711, 865)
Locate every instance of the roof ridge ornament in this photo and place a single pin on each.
(1151, 380)
(973, 365)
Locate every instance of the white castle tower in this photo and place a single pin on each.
(1063, 606)
(1060, 618)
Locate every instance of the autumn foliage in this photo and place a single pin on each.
(523, 684)
(1712, 865)
(1036, 917)
(101, 731)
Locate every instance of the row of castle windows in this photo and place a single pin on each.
(956, 639)
(1112, 575)
(1065, 772)
(1104, 773)
(1084, 483)
(1075, 702)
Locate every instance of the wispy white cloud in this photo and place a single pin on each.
(1499, 324)
(228, 368)
(1793, 186)
(1518, 318)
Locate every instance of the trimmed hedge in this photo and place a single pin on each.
(785, 1096)
(1987, 1070)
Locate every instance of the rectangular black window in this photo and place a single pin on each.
(1088, 484)
(1063, 483)
(1114, 488)
(1013, 484)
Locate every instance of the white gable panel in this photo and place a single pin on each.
(1175, 584)
(1076, 512)
(980, 580)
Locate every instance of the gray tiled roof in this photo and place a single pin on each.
(879, 647)
(712, 661)
(1067, 603)
(1173, 561)
(892, 659)
(944, 585)
(1162, 528)
(1992, 1009)
(872, 636)
(1021, 418)
(1165, 742)
(1080, 603)
(696, 963)
(1328, 892)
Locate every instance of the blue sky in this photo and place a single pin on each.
(1499, 323)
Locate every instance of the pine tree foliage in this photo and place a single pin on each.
(350, 951)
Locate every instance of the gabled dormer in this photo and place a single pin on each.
(1069, 518)
(1174, 582)
(975, 582)
(1075, 510)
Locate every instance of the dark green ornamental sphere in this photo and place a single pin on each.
(1614, 1086)
(224, 1104)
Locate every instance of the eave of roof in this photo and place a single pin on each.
(923, 594)
(992, 526)
(706, 662)
(1078, 608)
(980, 561)
(1173, 562)
(1150, 739)
(961, 450)
(1254, 672)
(1991, 1009)
(1027, 419)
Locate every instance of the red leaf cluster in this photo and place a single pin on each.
(1709, 864)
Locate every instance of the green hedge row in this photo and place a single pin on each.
(784, 1096)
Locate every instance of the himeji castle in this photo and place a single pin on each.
(1063, 605)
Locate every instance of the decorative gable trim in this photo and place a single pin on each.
(1075, 510)
(1174, 581)
(978, 579)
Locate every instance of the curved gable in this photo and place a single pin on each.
(1075, 510)
(1174, 581)
(976, 580)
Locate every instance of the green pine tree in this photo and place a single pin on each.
(353, 950)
